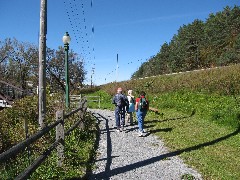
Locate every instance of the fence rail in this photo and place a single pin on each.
(75, 98)
(58, 144)
(94, 99)
(4, 103)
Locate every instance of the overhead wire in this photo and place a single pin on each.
(93, 49)
(110, 73)
(80, 28)
(78, 22)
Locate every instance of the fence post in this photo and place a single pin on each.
(81, 115)
(99, 99)
(27, 136)
(60, 135)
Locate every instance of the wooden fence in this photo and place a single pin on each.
(58, 144)
(94, 99)
(76, 98)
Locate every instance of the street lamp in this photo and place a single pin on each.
(66, 40)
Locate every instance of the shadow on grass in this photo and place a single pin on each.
(92, 156)
(109, 147)
(160, 130)
(123, 169)
(171, 119)
(108, 173)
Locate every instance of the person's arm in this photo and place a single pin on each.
(113, 100)
(136, 105)
(126, 102)
(128, 97)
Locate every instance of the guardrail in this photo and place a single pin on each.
(58, 144)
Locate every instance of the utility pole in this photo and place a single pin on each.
(117, 70)
(42, 64)
(91, 81)
(92, 76)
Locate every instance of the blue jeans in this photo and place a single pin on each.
(120, 116)
(140, 117)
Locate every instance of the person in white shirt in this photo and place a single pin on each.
(131, 108)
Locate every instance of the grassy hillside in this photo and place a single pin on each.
(198, 119)
(212, 93)
(222, 81)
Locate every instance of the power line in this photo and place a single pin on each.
(77, 15)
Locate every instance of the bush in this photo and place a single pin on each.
(78, 146)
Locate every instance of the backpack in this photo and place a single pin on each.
(132, 100)
(121, 101)
(143, 104)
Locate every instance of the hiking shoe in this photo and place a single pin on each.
(144, 131)
(118, 129)
(140, 134)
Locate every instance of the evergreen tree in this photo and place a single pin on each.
(199, 44)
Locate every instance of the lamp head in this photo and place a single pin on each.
(66, 38)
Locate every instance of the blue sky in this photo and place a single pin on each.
(133, 29)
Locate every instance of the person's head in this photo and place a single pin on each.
(142, 93)
(130, 92)
(119, 90)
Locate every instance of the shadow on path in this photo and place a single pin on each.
(107, 174)
(109, 147)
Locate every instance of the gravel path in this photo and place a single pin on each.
(124, 155)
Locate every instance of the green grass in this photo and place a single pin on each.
(223, 110)
(105, 100)
(212, 149)
(201, 128)
(79, 145)
(207, 140)
(78, 150)
(223, 81)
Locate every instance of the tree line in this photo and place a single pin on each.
(19, 65)
(215, 42)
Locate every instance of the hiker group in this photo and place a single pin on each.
(126, 106)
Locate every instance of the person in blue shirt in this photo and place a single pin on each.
(121, 106)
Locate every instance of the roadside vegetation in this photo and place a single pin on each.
(198, 111)
(198, 117)
(79, 145)
(198, 121)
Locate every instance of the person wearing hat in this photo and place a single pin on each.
(121, 105)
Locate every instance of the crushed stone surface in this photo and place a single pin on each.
(124, 155)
